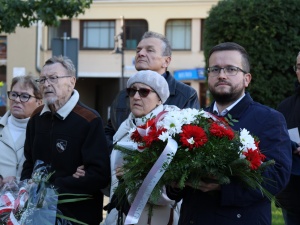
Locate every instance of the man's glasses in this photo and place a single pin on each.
(51, 79)
(143, 92)
(228, 70)
(23, 96)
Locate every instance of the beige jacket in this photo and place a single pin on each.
(11, 153)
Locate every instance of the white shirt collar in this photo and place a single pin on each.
(67, 108)
(223, 113)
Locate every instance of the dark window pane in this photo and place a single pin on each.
(58, 32)
(134, 30)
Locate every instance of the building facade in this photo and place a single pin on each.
(103, 41)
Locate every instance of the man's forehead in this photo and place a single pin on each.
(152, 42)
(46, 71)
(147, 45)
(52, 69)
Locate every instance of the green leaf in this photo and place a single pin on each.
(22, 13)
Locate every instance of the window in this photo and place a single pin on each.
(3, 43)
(58, 32)
(97, 34)
(134, 30)
(178, 33)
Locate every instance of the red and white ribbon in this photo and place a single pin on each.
(9, 203)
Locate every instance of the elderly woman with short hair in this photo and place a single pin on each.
(24, 97)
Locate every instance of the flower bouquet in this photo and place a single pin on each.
(188, 145)
(33, 201)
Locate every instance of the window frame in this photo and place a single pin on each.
(82, 22)
(137, 34)
(64, 24)
(170, 37)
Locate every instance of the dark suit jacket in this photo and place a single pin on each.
(289, 197)
(233, 204)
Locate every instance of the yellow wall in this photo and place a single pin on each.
(94, 64)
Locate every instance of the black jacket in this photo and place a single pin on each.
(82, 136)
(181, 95)
(289, 197)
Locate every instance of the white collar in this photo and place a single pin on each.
(65, 110)
(223, 113)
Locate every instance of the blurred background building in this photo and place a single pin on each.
(102, 43)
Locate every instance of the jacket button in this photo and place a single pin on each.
(238, 216)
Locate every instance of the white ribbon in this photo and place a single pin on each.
(12, 220)
(149, 183)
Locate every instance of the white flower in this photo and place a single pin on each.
(208, 115)
(189, 115)
(171, 122)
(164, 136)
(191, 141)
(246, 140)
(205, 114)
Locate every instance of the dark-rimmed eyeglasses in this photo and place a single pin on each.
(12, 95)
(228, 70)
(143, 92)
(51, 79)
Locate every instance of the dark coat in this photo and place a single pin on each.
(82, 135)
(289, 198)
(181, 95)
(233, 204)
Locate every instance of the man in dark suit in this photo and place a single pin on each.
(215, 204)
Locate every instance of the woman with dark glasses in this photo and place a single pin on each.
(24, 97)
(147, 91)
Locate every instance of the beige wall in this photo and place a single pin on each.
(21, 51)
(22, 44)
(101, 70)
(104, 64)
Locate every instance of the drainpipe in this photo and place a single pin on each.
(38, 46)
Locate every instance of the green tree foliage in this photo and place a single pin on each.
(23, 13)
(270, 32)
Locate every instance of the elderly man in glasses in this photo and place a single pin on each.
(66, 134)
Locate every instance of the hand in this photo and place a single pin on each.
(119, 173)
(9, 179)
(9, 182)
(80, 172)
(205, 187)
(174, 185)
(297, 151)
